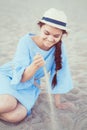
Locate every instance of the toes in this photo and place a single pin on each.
(65, 105)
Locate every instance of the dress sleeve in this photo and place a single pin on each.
(64, 80)
(20, 61)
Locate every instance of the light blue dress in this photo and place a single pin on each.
(26, 92)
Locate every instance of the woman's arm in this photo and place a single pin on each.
(33, 67)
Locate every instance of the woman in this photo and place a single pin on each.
(19, 78)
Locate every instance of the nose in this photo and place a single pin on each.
(50, 38)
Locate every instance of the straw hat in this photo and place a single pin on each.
(55, 18)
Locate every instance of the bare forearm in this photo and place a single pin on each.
(28, 73)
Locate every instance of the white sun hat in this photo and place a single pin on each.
(55, 18)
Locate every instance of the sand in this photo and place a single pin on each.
(18, 17)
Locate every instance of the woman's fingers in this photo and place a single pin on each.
(38, 61)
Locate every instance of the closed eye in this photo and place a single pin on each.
(47, 33)
(57, 35)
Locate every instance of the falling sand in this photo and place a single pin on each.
(50, 97)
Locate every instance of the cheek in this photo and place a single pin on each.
(43, 36)
(58, 39)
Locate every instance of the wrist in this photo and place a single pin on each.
(33, 67)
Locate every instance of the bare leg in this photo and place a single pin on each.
(7, 103)
(63, 105)
(16, 115)
(10, 109)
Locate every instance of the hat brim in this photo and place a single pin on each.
(54, 25)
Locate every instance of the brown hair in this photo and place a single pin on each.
(40, 24)
(58, 59)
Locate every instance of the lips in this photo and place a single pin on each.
(47, 44)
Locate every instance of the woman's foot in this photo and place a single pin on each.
(65, 105)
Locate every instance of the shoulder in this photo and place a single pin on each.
(64, 52)
(24, 40)
(63, 47)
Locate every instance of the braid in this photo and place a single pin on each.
(57, 61)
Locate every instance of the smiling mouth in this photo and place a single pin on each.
(47, 44)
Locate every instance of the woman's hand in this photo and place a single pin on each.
(38, 61)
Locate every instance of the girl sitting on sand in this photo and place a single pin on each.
(18, 78)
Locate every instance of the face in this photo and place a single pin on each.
(50, 35)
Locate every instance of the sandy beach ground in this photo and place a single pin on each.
(18, 17)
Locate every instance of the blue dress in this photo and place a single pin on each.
(26, 92)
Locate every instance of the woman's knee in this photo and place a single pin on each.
(16, 115)
(7, 103)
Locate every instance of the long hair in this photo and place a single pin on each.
(58, 62)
